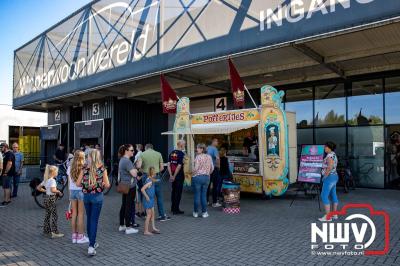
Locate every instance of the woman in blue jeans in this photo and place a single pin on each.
(203, 167)
(93, 181)
(329, 180)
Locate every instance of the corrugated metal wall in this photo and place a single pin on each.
(63, 118)
(138, 122)
(105, 109)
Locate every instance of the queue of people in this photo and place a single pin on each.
(140, 172)
(11, 169)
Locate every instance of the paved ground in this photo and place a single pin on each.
(267, 232)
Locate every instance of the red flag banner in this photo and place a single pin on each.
(168, 97)
(237, 85)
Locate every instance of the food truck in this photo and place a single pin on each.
(261, 142)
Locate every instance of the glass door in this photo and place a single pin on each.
(393, 157)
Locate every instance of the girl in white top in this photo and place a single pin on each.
(50, 187)
(74, 171)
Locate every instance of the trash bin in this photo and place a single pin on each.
(231, 192)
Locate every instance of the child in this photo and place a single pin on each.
(139, 198)
(50, 188)
(148, 202)
(224, 171)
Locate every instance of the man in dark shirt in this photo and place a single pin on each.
(8, 172)
(59, 157)
(249, 141)
(177, 176)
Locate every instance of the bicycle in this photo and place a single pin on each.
(61, 180)
(347, 177)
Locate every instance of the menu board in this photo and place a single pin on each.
(246, 168)
(311, 161)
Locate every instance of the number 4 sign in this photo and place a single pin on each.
(220, 104)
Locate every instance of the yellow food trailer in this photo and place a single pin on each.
(268, 166)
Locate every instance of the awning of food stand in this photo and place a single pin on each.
(216, 128)
(222, 128)
(187, 132)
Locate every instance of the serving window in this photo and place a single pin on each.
(242, 149)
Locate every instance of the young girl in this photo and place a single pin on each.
(148, 202)
(76, 198)
(51, 191)
(93, 182)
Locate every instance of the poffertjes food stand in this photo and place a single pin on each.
(270, 165)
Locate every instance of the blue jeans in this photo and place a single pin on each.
(159, 195)
(16, 179)
(329, 189)
(200, 185)
(93, 204)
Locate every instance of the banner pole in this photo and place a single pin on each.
(255, 105)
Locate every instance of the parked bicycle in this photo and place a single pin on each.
(61, 180)
(346, 176)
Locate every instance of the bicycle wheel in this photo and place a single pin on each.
(39, 198)
(346, 186)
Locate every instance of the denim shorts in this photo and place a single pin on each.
(6, 181)
(75, 195)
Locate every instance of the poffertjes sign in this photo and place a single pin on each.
(224, 117)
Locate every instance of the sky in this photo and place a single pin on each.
(20, 22)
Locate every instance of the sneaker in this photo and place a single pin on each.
(56, 235)
(74, 236)
(216, 205)
(82, 239)
(163, 219)
(122, 228)
(131, 230)
(178, 212)
(205, 215)
(323, 219)
(195, 214)
(91, 251)
(96, 245)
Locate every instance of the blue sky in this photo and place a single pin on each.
(21, 21)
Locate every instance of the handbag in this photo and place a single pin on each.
(68, 212)
(123, 188)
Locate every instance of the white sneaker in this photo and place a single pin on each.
(216, 205)
(323, 219)
(205, 215)
(84, 239)
(131, 230)
(74, 238)
(96, 245)
(91, 251)
(122, 228)
(195, 214)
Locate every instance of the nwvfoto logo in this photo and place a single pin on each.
(336, 235)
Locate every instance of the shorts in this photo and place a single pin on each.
(6, 181)
(76, 195)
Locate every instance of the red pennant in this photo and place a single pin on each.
(168, 97)
(237, 85)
